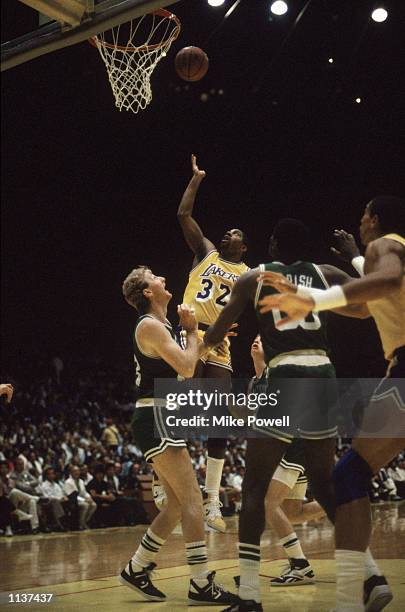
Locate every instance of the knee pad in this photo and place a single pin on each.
(351, 477)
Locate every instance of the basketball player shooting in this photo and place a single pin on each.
(211, 279)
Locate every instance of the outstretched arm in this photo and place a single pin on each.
(334, 276)
(243, 291)
(387, 260)
(191, 230)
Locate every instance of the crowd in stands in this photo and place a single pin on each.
(67, 461)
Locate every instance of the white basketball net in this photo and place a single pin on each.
(130, 59)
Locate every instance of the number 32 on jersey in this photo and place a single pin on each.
(208, 289)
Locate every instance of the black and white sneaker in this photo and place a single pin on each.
(297, 573)
(141, 582)
(245, 605)
(377, 594)
(211, 594)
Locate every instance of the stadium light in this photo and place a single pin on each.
(279, 7)
(216, 2)
(379, 15)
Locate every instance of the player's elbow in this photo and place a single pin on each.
(186, 369)
(182, 216)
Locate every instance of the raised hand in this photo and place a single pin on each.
(196, 171)
(279, 282)
(187, 318)
(7, 390)
(347, 248)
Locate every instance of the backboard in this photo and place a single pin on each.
(74, 21)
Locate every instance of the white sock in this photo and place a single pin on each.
(197, 559)
(249, 562)
(147, 551)
(213, 476)
(349, 580)
(371, 567)
(292, 546)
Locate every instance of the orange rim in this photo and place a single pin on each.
(161, 13)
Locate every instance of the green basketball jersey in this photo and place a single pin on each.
(297, 335)
(147, 367)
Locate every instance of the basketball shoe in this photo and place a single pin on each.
(245, 605)
(209, 594)
(141, 582)
(212, 515)
(377, 594)
(297, 572)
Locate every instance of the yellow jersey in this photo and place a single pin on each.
(210, 284)
(389, 313)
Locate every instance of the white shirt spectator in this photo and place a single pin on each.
(237, 482)
(68, 452)
(71, 485)
(51, 490)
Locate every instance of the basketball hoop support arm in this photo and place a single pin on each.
(52, 37)
(70, 12)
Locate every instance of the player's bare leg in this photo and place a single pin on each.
(299, 512)
(215, 462)
(353, 521)
(184, 501)
(298, 570)
(262, 458)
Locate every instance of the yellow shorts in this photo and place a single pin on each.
(218, 356)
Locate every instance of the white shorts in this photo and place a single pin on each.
(294, 480)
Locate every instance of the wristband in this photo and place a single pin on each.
(308, 291)
(358, 264)
(329, 299)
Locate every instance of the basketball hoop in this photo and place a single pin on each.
(131, 52)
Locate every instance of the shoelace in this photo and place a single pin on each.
(216, 588)
(149, 571)
(215, 507)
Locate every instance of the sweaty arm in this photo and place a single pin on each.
(243, 292)
(198, 243)
(384, 271)
(335, 276)
(155, 340)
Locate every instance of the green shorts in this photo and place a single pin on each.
(294, 459)
(150, 432)
(310, 400)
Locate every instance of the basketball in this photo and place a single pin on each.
(191, 63)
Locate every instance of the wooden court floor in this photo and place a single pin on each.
(80, 569)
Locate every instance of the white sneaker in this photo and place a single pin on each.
(22, 516)
(294, 576)
(213, 516)
(9, 532)
(159, 493)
